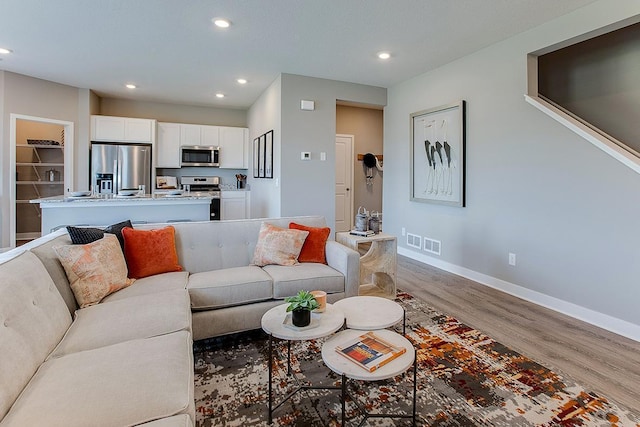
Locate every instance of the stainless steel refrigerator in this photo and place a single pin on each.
(117, 167)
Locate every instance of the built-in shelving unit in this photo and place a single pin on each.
(39, 173)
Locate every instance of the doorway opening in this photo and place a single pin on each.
(40, 159)
(365, 125)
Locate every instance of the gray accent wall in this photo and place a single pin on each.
(534, 188)
(302, 187)
(39, 98)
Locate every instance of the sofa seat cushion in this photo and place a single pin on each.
(128, 319)
(288, 280)
(229, 287)
(152, 285)
(120, 385)
(182, 420)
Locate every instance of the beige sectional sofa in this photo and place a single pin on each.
(128, 360)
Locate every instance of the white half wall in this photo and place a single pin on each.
(534, 188)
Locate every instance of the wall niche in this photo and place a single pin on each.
(591, 85)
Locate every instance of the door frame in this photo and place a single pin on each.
(68, 162)
(351, 161)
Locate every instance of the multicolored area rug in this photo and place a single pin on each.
(464, 379)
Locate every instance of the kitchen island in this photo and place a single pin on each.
(61, 211)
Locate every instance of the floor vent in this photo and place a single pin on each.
(431, 246)
(413, 240)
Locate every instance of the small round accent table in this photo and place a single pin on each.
(371, 313)
(350, 370)
(276, 323)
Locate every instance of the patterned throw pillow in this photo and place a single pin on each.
(84, 235)
(278, 245)
(94, 270)
(313, 249)
(150, 252)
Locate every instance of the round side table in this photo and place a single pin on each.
(350, 370)
(371, 313)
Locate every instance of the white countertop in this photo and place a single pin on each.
(114, 199)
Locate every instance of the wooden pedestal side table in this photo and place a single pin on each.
(378, 266)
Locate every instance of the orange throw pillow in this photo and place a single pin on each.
(313, 249)
(150, 252)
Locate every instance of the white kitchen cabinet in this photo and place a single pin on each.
(235, 204)
(122, 129)
(210, 135)
(234, 147)
(168, 145)
(190, 134)
(199, 135)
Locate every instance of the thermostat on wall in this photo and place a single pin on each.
(305, 155)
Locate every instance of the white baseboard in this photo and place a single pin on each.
(604, 321)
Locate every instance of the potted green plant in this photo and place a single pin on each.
(300, 306)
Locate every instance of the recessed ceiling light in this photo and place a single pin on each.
(219, 95)
(5, 51)
(130, 86)
(242, 81)
(384, 55)
(221, 22)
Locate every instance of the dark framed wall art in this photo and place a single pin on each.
(263, 156)
(438, 139)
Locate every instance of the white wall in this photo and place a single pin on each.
(264, 115)
(566, 209)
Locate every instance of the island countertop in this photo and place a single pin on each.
(155, 199)
(61, 211)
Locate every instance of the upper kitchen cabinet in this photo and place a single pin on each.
(122, 129)
(234, 148)
(167, 152)
(199, 135)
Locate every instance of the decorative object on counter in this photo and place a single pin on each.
(241, 180)
(263, 155)
(166, 182)
(301, 305)
(438, 155)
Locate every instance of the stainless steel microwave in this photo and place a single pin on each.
(199, 155)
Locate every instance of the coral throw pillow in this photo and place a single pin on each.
(94, 270)
(278, 245)
(313, 249)
(150, 252)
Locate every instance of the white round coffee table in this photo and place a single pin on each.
(348, 369)
(274, 322)
(322, 324)
(370, 313)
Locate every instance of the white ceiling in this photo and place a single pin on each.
(173, 52)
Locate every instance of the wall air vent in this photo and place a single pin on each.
(431, 246)
(414, 241)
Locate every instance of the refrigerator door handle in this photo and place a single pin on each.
(116, 176)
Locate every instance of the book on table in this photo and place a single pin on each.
(370, 351)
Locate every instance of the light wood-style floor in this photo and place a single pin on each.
(600, 361)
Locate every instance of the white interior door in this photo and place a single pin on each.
(344, 182)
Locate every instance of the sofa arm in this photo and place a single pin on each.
(347, 262)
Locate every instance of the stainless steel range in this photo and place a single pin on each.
(205, 184)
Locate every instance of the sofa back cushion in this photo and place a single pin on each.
(33, 320)
(43, 249)
(213, 245)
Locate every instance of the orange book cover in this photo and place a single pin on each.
(370, 351)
